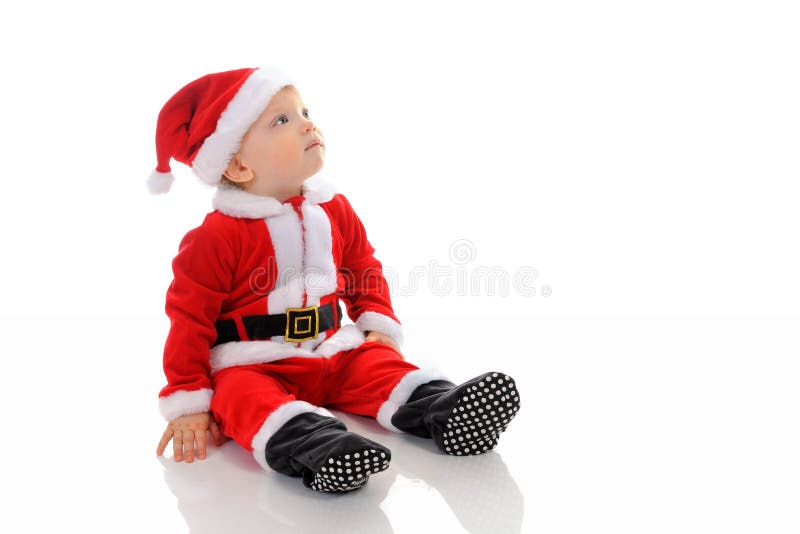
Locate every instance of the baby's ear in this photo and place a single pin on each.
(237, 171)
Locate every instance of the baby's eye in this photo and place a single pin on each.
(282, 117)
(305, 113)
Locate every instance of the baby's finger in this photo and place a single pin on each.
(215, 432)
(200, 436)
(162, 445)
(177, 446)
(188, 445)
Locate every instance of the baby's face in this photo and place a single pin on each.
(276, 147)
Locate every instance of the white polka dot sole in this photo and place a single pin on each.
(484, 411)
(348, 472)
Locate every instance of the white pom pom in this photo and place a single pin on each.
(160, 182)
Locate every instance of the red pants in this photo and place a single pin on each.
(358, 381)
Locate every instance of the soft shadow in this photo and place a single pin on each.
(229, 492)
(478, 489)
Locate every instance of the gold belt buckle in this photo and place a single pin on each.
(302, 324)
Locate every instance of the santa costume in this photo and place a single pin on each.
(255, 308)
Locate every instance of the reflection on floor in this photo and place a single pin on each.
(229, 492)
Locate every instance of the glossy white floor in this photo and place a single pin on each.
(627, 425)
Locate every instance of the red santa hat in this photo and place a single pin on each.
(202, 125)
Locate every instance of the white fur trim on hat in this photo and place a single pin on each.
(244, 108)
(401, 392)
(160, 182)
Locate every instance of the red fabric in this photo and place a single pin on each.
(357, 381)
(226, 267)
(362, 284)
(191, 115)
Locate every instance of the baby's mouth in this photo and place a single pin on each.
(315, 141)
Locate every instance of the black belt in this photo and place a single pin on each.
(296, 325)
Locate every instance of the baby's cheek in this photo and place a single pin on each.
(286, 151)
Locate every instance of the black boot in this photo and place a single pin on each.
(325, 454)
(411, 415)
(462, 420)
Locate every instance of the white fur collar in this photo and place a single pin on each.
(241, 204)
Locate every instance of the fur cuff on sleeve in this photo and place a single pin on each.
(185, 403)
(373, 321)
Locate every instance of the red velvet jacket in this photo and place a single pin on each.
(256, 256)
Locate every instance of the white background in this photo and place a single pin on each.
(641, 157)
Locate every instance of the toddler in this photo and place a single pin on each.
(256, 347)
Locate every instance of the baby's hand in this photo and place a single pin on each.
(185, 431)
(382, 338)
